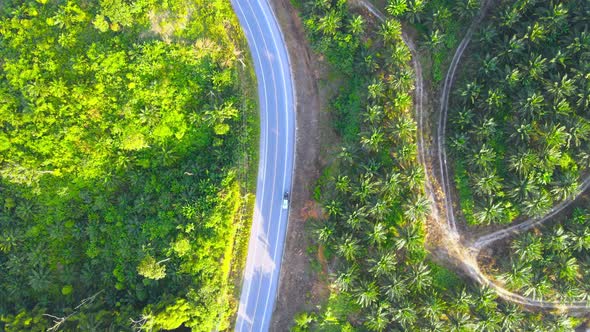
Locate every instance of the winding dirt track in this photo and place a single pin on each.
(466, 255)
(442, 121)
(485, 240)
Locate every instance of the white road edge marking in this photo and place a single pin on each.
(255, 220)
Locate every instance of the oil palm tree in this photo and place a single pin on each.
(367, 294)
(383, 266)
(379, 318)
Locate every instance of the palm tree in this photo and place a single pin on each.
(416, 7)
(522, 189)
(392, 186)
(510, 17)
(418, 209)
(566, 186)
(330, 23)
(580, 132)
(406, 128)
(346, 155)
(514, 77)
(40, 279)
(512, 318)
(406, 316)
(420, 276)
(345, 280)
(528, 248)
(378, 319)
(435, 40)
(466, 9)
(334, 208)
(349, 248)
(532, 108)
(537, 66)
(384, 266)
(488, 184)
(484, 158)
(376, 90)
(459, 143)
(524, 162)
(463, 301)
(414, 178)
(367, 187)
(397, 8)
(490, 213)
(489, 65)
(396, 289)
(538, 205)
(410, 237)
(367, 294)
(374, 114)
(343, 184)
(460, 322)
(357, 218)
(378, 236)
(400, 54)
(565, 87)
(471, 91)
(537, 288)
(523, 133)
(518, 276)
(373, 140)
(486, 299)
(537, 33)
(357, 25)
(556, 136)
(391, 31)
(326, 233)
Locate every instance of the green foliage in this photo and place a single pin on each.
(149, 268)
(125, 135)
(441, 24)
(444, 279)
(335, 33)
(373, 197)
(551, 263)
(519, 117)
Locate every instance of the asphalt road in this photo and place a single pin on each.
(277, 140)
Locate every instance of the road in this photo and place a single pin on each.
(275, 168)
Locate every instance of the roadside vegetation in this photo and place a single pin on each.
(128, 133)
(372, 191)
(519, 121)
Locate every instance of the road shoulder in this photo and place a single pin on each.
(296, 278)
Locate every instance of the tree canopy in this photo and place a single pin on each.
(127, 130)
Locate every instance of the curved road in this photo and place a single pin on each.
(277, 140)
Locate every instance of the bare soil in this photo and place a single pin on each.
(299, 286)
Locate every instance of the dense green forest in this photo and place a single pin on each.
(372, 235)
(550, 263)
(520, 125)
(126, 145)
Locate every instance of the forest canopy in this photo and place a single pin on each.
(126, 135)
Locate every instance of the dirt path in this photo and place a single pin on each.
(443, 115)
(486, 240)
(465, 256)
(297, 278)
